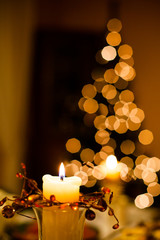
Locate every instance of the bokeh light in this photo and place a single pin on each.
(128, 107)
(91, 181)
(145, 137)
(144, 200)
(87, 155)
(73, 145)
(102, 137)
(124, 171)
(87, 169)
(100, 157)
(109, 91)
(127, 147)
(83, 176)
(154, 189)
(132, 125)
(125, 71)
(90, 105)
(113, 38)
(71, 169)
(81, 103)
(137, 115)
(122, 69)
(154, 164)
(89, 91)
(109, 53)
(110, 76)
(121, 84)
(120, 126)
(114, 100)
(129, 61)
(103, 109)
(138, 172)
(99, 122)
(114, 24)
(148, 176)
(125, 51)
(76, 162)
(112, 143)
(128, 161)
(108, 149)
(118, 108)
(126, 96)
(110, 121)
(99, 172)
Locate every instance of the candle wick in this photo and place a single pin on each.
(61, 178)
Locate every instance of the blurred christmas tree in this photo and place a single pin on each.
(110, 111)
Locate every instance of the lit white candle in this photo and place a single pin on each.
(112, 168)
(65, 189)
(62, 223)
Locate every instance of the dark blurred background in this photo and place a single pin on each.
(47, 51)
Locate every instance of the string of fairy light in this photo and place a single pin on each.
(111, 83)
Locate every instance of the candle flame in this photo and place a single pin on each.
(61, 171)
(111, 162)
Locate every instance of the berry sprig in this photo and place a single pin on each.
(31, 196)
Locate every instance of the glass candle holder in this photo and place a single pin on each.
(55, 223)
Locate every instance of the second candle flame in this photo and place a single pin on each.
(61, 172)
